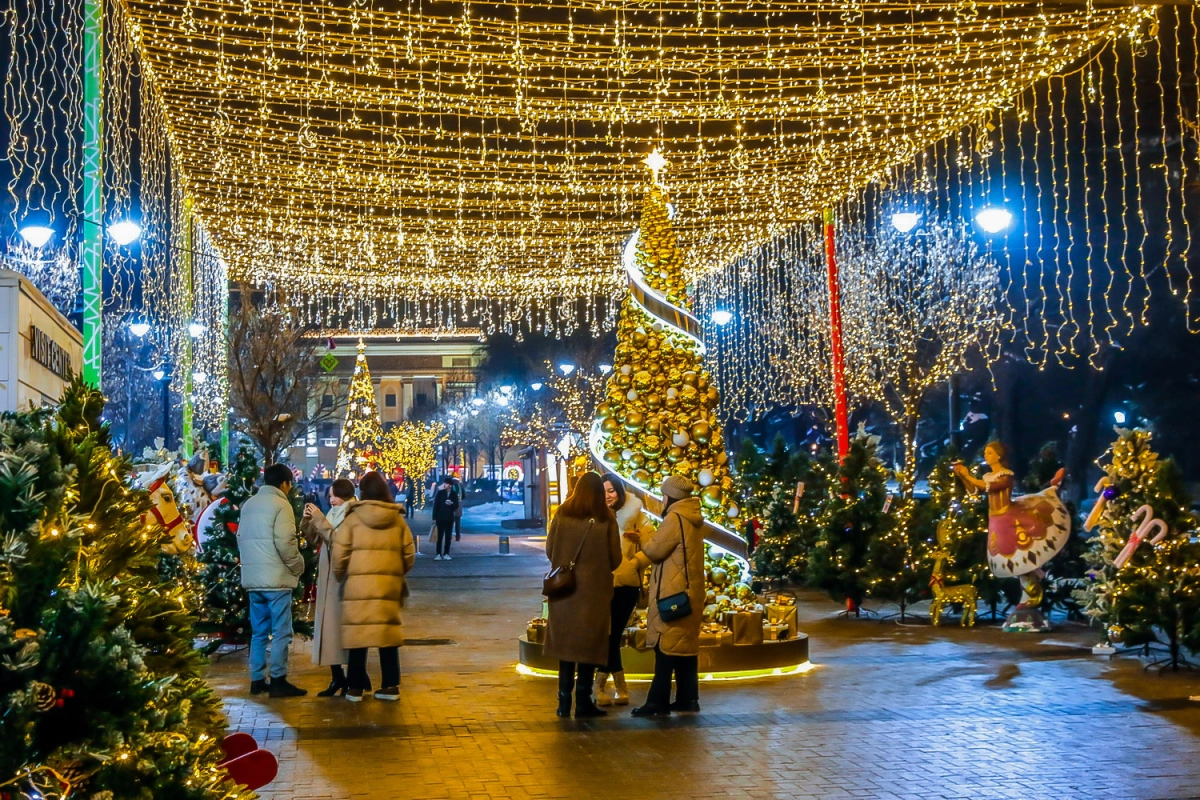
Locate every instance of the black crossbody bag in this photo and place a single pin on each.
(678, 605)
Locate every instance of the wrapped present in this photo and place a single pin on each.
(775, 631)
(785, 614)
(639, 638)
(746, 626)
(536, 631)
(710, 639)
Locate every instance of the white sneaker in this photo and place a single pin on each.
(437, 558)
(445, 558)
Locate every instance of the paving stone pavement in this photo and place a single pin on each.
(889, 712)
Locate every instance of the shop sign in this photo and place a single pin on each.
(49, 353)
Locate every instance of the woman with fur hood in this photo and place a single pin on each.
(627, 586)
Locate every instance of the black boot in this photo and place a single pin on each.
(585, 704)
(337, 684)
(564, 705)
(259, 687)
(281, 688)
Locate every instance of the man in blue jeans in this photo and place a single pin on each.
(271, 567)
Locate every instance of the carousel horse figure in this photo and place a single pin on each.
(189, 486)
(1024, 533)
(164, 513)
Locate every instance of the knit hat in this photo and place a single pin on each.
(677, 487)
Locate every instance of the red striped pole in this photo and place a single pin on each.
(841, 414)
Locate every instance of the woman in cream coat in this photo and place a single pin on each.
(627, 585)
(327, 650)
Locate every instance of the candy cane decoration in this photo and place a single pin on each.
(1093, 518)
(1146, 525)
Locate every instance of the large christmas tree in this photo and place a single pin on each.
(358, 448)
(100, 685)
(659, 413)
(1144, 580)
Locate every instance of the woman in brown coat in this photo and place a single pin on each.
(318, 529)
(677, 552)
(372, 552)
(583, 532)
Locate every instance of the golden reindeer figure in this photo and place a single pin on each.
(944, 595)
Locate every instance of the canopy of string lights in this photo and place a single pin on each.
(362, 151)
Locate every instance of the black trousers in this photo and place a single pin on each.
(687, 679)
(458, 527)
(445, 535)
(623, 602)
(389, 665)
(567, 672)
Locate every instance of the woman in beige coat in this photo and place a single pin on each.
(584, 533)
(677, 552)
(372, 552)
(318, 528)
(627, 586)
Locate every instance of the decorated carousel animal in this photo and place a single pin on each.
(1024, 533)
(215, 485)
(189, 486)
(164, 513)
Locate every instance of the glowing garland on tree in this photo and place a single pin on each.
(358, 446)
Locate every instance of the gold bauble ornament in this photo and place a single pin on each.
(653, 401)
(703, 382)
(674, 377)
(624, 381)
(652, 465)
(690, 378)
(674, 454)
(641, 477)
(671, 403)
(637, 460)
(682, 467)
(652, 446)
(726, 484)
(609, 425)
(604, 410)
(702, 432)
(712, 398)
(639, 338)
(710, 496)
(634, 420)
(642, 381)
(612, 457)
(689, 397)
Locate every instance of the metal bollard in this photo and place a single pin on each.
(504, 546)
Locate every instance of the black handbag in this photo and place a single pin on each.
(678, 605)
(560, 581)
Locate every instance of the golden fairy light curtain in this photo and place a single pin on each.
(424, 163)
(1099, 167)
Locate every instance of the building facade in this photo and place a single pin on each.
(413, 376)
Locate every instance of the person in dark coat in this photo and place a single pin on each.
(445, 506)
(583, 532)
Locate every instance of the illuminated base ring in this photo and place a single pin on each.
(722, 663)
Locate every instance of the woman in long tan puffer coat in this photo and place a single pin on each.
(373, 550)
(583, 532)
(676, 550)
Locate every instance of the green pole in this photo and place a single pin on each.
(91, 251)
(225, 366)
(185, 263)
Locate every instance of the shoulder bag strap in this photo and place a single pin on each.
(582, 539)
(687, 581)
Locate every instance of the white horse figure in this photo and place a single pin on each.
(164, 512)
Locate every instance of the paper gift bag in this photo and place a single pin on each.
(785, 615)
(746, 626)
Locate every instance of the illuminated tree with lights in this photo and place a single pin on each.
(359, 446)
(658, 417)
(1144, 579)
(783, 491)
(916, 307)
(412, 447)
(850, 517)
(102, 690)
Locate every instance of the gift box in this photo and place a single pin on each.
(746, 626)
(785, 614)
(710, 639)
(775, 631)
(635, 637)
(536, 632)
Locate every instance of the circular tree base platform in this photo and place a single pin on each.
(724, 662)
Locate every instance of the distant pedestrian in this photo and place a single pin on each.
(271, 568)
(583, 537)
(677, 552)
(327, 650)
(373, 550)
(410, 497)
(627, 586)
(458, 512)
(445, 506)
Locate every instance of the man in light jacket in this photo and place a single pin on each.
(271, 568)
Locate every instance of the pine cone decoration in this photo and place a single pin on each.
(44, 696)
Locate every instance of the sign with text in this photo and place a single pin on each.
(49, 353)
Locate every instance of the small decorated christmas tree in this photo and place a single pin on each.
(850, 517)
(1143, 584)
(101, 688)
(358, 449)
(782, 492)
(659, 413)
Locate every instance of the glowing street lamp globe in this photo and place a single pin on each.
(125, 232)
(905, 221)
(994, 219)
(567, 369)
(36, 236)
(139, 329)
(722, 317)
